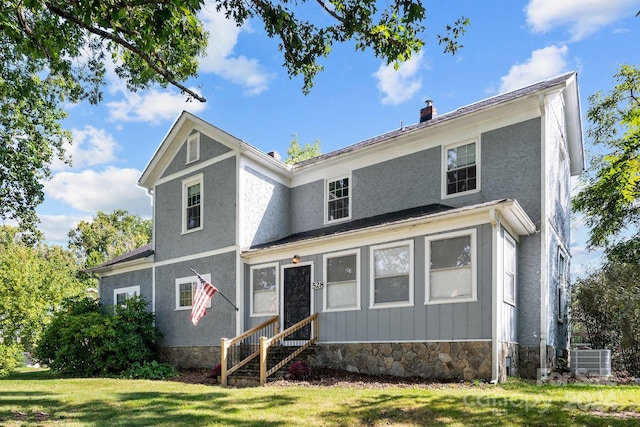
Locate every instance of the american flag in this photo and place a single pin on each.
(202, 296)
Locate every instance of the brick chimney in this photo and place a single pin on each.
(429, 112)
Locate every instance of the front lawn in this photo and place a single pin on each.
(35, 397)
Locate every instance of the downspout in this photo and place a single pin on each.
(151, 193)
(495, 230)
(544, 273)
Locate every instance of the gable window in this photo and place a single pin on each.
(451, 263)
(342, 281)
(509, 269)
(121, 295)
(193, 147)
(264, 294)
(461, 168)
(392, 275)
(185, 291)
(337, 199)
(192, 204)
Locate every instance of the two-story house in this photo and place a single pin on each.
(439, 249)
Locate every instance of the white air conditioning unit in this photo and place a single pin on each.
(591, 362)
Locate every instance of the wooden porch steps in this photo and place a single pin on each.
(249, 375)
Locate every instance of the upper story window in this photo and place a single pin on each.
(342, 277)
(562, 285)
(337, 199)
(193, 147)
(192, 204)
(451, 267)
(392, 275)
(121, 295)
(264, 290)
(461, 168)
(185, 291)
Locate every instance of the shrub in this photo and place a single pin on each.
(10, 357)
(299, 370)
(217, 370)
(84, 340)
(150, 371)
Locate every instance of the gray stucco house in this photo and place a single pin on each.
(439, 249)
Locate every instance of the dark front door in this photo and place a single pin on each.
(297, 299)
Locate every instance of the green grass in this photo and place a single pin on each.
(112, 402)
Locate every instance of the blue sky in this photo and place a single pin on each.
(508, 45)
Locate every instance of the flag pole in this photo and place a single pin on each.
(221, 294)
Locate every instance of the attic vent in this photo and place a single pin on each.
(591, 362)
(193, 147)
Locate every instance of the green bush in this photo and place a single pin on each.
(85, 340)
(150, 371)
(10, 357)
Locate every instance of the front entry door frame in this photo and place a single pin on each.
(282, 290)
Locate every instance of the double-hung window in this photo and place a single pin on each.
(185, 291)
(342, 281)
(192, 204)
(461, 168)
(392, 275)
(121, 295)
(337, 196)
(562, 286)
(264, 286)
(451, 263)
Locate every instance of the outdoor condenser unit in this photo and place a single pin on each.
(591, 362)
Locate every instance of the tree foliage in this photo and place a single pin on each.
(606, 306)
(53, 52)
(33, 282)
(86, 340)
(107, 236)
(610, 197)
(296, 153)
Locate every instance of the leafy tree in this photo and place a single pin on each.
(53, 52)
(107, 236)
(33, 282)
(606, 306)
(296, 153)
(610, 197)
(85, 340)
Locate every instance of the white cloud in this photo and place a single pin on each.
(582, 17)
(398, 86)
(543, 63)
(91, 147)
(108, 190)
(151, 106)
(223, 37)
(56, 227)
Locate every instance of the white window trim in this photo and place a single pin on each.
(191, 159)
(372, 304)
(562, 286)
(326, 199)
(508, 238)
(325, 258)
(126, 290)
(443, 174)
(192, 180)
(277, 279)
(189, 279)
(474, 267)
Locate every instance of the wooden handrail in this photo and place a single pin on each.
(265, 343)
(225, 344)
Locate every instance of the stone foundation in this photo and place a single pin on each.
(190, 357)
(445, 360)
(529, 359)
(508, 360)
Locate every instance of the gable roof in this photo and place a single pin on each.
(567, 82)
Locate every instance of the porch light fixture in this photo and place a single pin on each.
(295, 259)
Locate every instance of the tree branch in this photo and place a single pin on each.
(124, 43)
(330, 12)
